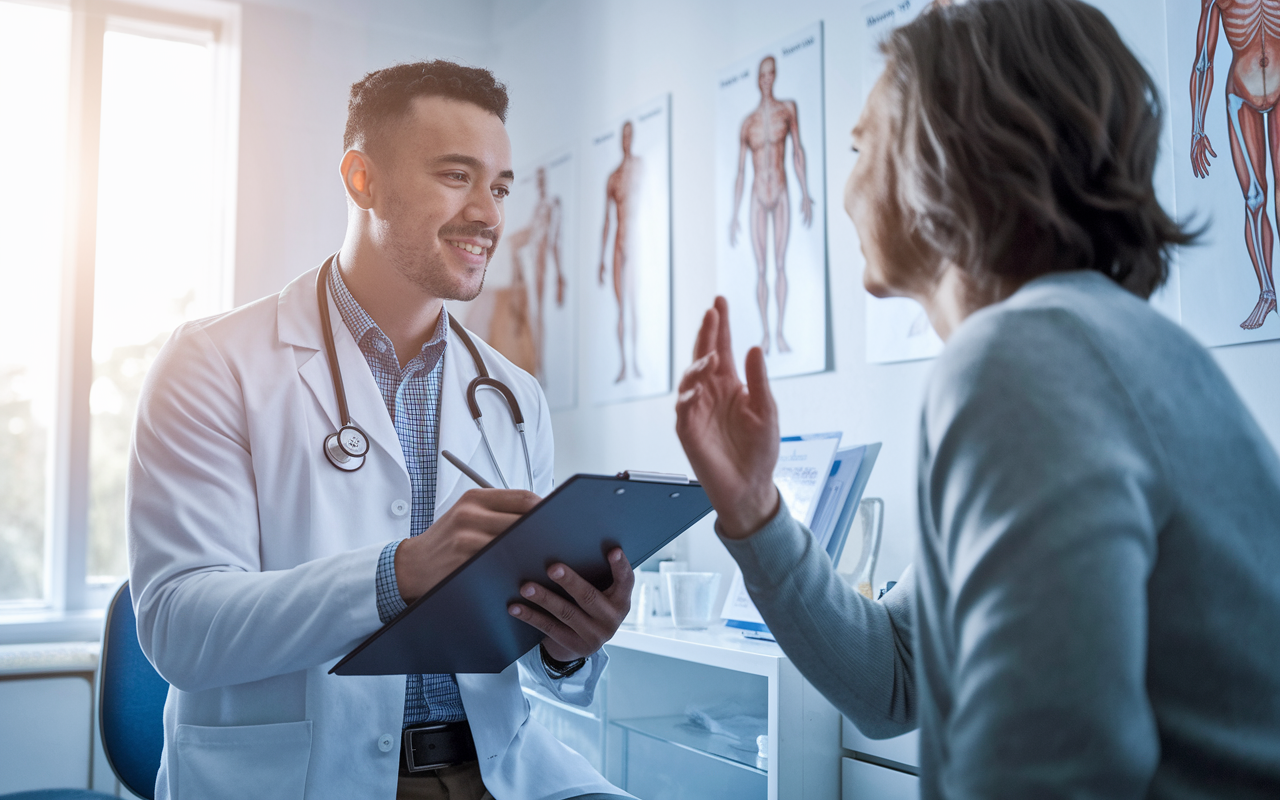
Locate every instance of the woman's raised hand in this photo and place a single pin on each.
(729, 431)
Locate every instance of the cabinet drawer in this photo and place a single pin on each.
(656, 768)
(44, 733)
(860, 780)
(904, 749)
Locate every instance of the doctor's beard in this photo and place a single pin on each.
(426, 267)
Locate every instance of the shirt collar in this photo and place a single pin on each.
(358, 320)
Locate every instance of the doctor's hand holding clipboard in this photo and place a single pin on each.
(573, 630)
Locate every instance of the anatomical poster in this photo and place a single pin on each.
(628, 283)
(770, 224)
(528, 310)
(1223, 69)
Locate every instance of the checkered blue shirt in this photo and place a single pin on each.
(412, 396)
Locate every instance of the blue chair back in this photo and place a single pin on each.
(130, 701)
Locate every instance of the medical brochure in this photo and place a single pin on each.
(822, 487)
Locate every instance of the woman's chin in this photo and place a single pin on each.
(876, 286)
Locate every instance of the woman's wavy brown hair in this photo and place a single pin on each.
(1025, 136)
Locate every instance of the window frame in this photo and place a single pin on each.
(72, 598)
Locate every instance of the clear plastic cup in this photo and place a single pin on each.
(692, 596)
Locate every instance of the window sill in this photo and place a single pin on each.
(38, 627)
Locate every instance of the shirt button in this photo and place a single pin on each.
(385, 742)
(399, 508)
(379, 345)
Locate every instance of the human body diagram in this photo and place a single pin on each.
(764, 135)
(1252, 92)
(542, 234)
(622, 197)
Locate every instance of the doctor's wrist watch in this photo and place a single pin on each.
(559, 670)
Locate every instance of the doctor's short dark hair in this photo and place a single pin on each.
(382, 98)
(1025, 136)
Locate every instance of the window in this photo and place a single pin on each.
(118, 226)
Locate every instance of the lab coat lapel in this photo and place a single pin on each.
(458, 432)
(299, 320)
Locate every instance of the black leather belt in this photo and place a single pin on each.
(430, 747)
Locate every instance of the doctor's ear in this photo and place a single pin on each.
(356, 176)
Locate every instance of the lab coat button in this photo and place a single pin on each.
(385, 742)
(399, 508)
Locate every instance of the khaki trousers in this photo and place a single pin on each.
(450, 783)
(460, 783)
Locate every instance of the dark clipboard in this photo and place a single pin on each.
(462, 624)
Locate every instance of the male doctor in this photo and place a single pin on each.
(255, 564)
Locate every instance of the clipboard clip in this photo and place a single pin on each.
(653, 477)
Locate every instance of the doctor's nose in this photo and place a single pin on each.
(483, 208)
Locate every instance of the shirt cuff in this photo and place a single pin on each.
(769, 556)
(390, 603)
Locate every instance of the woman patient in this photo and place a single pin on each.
(1094, 610)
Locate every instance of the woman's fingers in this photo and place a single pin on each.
(724, 341)
(705, 342)
(758, 391)
(699, 371)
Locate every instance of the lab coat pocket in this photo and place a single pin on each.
(244, 762)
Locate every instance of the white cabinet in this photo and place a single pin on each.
(46, 716)
(649, 748)
(861, 780)
(903, 751)
(882, 769)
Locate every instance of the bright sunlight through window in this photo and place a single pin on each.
(33, 96)
(116, 224)
(156, 256)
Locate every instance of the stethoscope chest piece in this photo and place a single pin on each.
(353, 441)
(347, 448)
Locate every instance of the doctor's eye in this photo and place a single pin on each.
(501, 192)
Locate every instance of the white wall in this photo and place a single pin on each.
(299, 61)
(573, 64)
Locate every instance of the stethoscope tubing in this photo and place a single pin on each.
(347, 447)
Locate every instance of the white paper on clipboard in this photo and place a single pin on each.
(804, 462)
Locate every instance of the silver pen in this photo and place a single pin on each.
(466, 470)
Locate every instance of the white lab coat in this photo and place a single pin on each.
(252, 561)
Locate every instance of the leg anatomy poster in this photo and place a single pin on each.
(629, 199)
(771, 237)
(1224, 67)
(528, 312)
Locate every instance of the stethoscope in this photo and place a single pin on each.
(347, 448)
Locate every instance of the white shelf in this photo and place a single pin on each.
(716, 646)
(657, 671)
(678, 731)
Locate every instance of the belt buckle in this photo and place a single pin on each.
(411, 764)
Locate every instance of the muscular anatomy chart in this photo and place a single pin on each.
(764, 135)
(539, 242)
(528, 309)
(621, 201)
(1227, 143)
(1252, 89)
(769, 167)
(629, 319)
